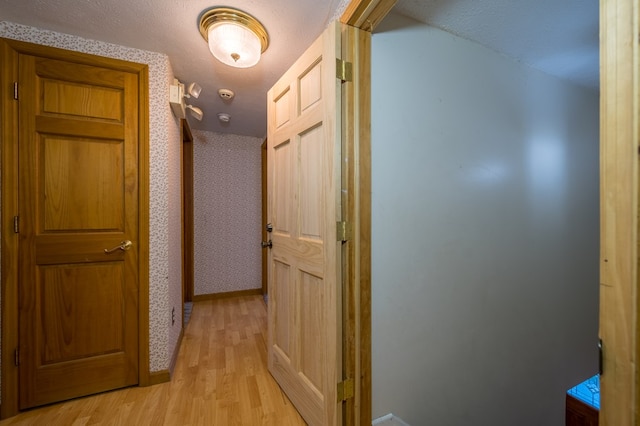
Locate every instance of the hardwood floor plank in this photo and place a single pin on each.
(220, 378)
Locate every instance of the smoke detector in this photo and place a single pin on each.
(224, 117)
(226, 94)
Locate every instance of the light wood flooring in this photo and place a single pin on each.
(220, 378)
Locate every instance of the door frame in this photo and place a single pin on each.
(264, 235)
(362, 15)
(10, 51)
(619, 209)
(186, 176)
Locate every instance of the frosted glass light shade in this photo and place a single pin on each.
(235, 38)
(234, 44)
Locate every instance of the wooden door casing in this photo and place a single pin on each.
(187, 213)
(619, 212)
(304, 175)
(9, 132)
(264, 233)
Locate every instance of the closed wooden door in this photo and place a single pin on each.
(304, 163)
(78, 195)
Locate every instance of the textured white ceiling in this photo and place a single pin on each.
(557, 36)
(171, 27)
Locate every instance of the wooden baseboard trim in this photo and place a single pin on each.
(157, 377)
(239, 293)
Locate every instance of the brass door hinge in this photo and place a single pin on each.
(16, 224)
(16, 357)
(15, 90)
(343, 231)
(344, 70)
(345, 390)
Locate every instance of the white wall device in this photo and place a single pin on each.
(177, 97)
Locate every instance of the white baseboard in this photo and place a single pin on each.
(389, 420)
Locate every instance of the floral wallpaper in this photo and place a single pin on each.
(227, 213)
(164, 157)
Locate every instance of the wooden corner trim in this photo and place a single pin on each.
(366, 14)
(9, 242)
(157, 377)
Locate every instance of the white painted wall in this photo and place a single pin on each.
(485, 233)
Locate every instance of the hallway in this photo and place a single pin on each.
(220, 378)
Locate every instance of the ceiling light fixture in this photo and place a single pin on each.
(235, 38)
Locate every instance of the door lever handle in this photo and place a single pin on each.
(124, 246)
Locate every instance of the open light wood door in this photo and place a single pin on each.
(304, 183)
(78, 180)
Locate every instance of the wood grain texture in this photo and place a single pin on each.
(157, 377)
(143, 225)
(578, 413)
(78, 314)
(220, 378)
(356, 183)
(9, 179)
(9, 62)
(361, 17)
(186, 153)
(265, 235)
(366, 14)
(304, 166)
(619, 111)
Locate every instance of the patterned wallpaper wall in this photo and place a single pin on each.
(227, 213)
(165, 267)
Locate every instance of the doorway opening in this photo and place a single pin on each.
(187, 220)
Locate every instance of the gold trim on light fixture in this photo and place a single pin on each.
(219, 15)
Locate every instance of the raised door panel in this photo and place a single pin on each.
(281, 191)
(311, 186)
(82, 184)
(281, 298)
(71, 298)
